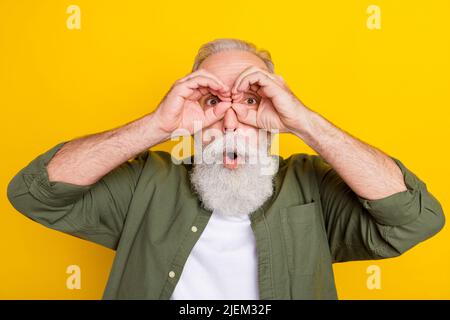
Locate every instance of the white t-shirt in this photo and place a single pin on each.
(223, 263)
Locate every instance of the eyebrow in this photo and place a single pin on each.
(252, 93)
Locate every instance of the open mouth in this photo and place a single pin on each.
(232, 155)
(230, 160)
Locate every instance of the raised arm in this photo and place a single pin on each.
(373, 206)
(84, 187)
(85, 160)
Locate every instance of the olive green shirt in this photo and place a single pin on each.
(145, 210)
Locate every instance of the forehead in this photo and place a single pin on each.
(228, 65)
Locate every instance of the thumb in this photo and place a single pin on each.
(244, 114)
(216, 113)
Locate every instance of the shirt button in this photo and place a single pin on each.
(194, 229)
(172, 274)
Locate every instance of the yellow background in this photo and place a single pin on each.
(389, 87)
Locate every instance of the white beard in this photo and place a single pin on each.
(234, 192)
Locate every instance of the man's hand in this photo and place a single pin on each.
(85, 160)
(279, 108)
(181, 106)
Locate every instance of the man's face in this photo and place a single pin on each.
(227, 66)
(233, 185)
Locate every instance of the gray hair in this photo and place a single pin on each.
(220, 45)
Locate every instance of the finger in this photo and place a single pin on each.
(254, 88)
(245, 115)
(196, 95)
(267, 86)
(282, 82)
(187, 88)
(216, 113)
(245, 73)
(204, 91)
(204, 73)
(213, 76)
(280, 79)
(220, 95)
(225, 99)
(239, 78)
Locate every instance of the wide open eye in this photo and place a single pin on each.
(212, 101)
(251, 101)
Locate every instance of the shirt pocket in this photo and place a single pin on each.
(301, 242)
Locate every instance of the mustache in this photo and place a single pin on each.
(233, 145)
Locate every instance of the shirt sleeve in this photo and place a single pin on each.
(362, 229)
(93, 212)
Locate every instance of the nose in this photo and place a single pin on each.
(230, 121)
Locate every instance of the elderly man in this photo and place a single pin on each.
(223, 226)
